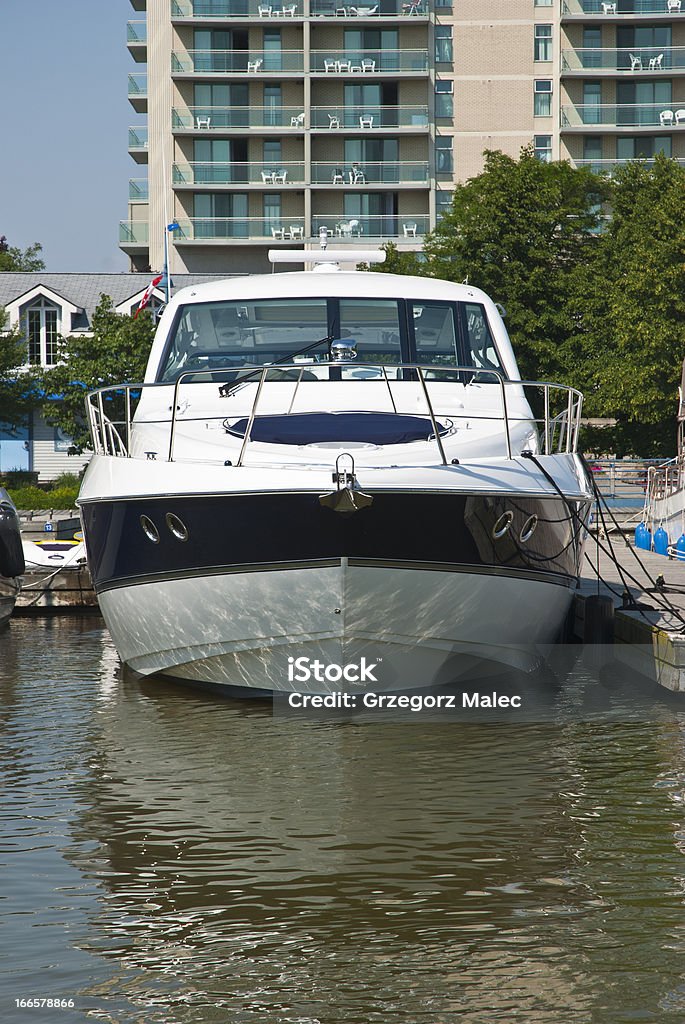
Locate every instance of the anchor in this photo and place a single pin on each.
(348, 496)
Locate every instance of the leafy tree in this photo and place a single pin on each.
(630, 309)
(115, 353)
(12, 258)
(519, 230)
(17, 391)
(398, 262)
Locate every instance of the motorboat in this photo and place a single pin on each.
(53, 554)
(333, 477)
(11, 556)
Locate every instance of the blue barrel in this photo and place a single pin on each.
(680, 548)
(642, 539)
(661, 541)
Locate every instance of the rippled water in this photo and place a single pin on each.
(168, 858)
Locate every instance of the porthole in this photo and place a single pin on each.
(177, 527)
(149, 529)
(502, 525)
(529, 528)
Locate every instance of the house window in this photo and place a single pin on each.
(444, 162)
(542, 100)
(41, 328)
(543, 43)
(444, 106)
(543, 147)
(443, 44)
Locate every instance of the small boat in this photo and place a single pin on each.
(333, 477)
(53, 553)
(11, 556)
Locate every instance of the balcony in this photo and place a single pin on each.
(139, 5)
(225, 229)
(369, 118)
(234, 10)
(609, 166)
(136, 40)
(226, 119)
(637, 62)
(195, 175)
(402, 173)
(369, 62)
(237, 62)
(399, 9)
(623, 117)
(133, 233)
(200, 230)
(138, 191)
(137, 143)
(137, 92)
(621, 9)
(355, 228)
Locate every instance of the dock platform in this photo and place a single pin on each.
(649, 619)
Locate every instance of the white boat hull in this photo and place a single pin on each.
(419, 627)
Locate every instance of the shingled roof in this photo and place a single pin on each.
(84, 290)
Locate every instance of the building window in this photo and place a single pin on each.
(543, 147)
(444, 106)
(543, 3)
(543, 43)
(542, 100)
(443, 44)
(41, 327)
(444, 162)
(443, 202)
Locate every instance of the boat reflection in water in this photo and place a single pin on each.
(286, 870)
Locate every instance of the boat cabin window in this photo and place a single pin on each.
(375, 326)
(480, 341)
(253, 332)
(435, 333)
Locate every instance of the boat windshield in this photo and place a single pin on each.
(226, 336)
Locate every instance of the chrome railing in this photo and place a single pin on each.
(551, 411)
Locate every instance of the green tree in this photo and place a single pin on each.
(115, 353)
(17, 387)
(519, 230)
(13, 258)
(398, 262)
(630, 309)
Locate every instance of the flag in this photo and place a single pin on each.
(147, 295)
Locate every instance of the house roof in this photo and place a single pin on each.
(84, 290)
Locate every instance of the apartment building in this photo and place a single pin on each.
(264, 124)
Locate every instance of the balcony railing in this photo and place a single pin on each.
(401, 226)
(133, 232)
(273, 175)
(224, 118)
(636, 115)
(138, 191)
(331, 9)
(137, 86)
(368, 62)
(226, 228)
(137, 137)
(236, 61)
(248, 10)
(369, 117)
(373, 173)
(609, 166)
(637, 60)
(136, 32)
(621, 7)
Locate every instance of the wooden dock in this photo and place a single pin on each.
(45, 590)
(649, 609)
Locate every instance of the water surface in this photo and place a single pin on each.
(168, 858)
